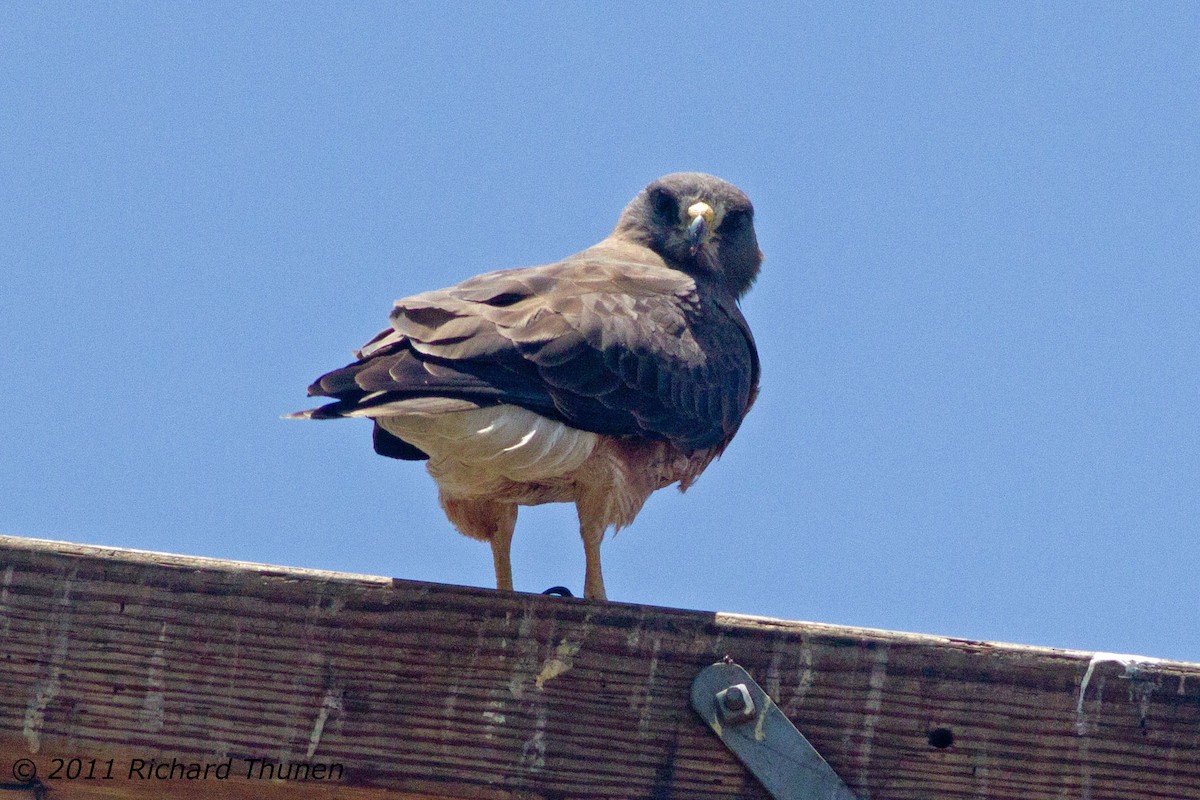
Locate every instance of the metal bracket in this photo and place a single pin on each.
(35, 787)
(753, 727)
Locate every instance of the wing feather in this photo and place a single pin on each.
(610, 341)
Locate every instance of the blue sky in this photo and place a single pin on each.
(977, 315)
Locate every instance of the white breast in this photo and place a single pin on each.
(502, 441)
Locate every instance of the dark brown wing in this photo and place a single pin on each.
(610, 341)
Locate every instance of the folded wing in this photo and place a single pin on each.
(604, 343)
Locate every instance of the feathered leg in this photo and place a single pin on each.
(591, 529)
(501, 548)
(593, 580)
(493, 523)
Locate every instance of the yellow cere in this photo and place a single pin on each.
(701, 209)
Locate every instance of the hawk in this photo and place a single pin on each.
(596, 380)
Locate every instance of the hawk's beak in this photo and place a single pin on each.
(699, 230)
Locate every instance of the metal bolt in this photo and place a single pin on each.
(735, 704)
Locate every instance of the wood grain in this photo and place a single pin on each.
(419, 690)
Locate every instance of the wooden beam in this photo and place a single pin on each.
(382, 688)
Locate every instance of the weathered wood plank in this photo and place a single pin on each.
(417, 690)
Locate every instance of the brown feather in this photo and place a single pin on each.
(636, 342)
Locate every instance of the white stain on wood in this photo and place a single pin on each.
(558, 664)
(874, 707)
(150, 716)
(804, 679)
(525, 665)
(640, 701)
(533, 752)
(47, 688)
(331, 703)
(1133, 671)
(771, 681)
(4, 609)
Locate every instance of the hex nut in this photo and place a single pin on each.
(735, 704)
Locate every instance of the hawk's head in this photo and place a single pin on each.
(699, 224)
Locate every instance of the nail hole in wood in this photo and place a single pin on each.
(941, 738)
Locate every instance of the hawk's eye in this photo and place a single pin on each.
(666, 207)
